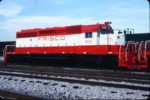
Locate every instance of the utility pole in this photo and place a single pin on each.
(149, 14)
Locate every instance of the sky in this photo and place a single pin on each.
(16, 15)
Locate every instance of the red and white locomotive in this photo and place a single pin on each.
(93, 45)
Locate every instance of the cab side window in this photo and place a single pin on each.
(88, 35)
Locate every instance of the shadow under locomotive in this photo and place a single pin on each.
(68, 60)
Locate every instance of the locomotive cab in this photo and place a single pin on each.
(107, 36)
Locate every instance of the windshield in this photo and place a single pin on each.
(106, 29)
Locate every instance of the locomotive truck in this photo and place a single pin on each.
(96, 45)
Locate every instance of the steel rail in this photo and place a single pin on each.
(85, 72)
(94, 83)
(87, 77)
(7, 95)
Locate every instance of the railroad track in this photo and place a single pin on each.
(85, 72)
(5, 95)
(80, 81)
(61, 74)
(87, 77)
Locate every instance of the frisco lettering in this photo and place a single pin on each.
(52, 38)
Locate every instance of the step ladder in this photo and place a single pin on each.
(5, 54)
(134, 55)
(9, 49)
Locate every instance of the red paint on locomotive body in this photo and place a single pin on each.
(96, 50)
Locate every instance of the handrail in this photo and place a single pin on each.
(10, 46)
(146, 43)
(139, 50)
(132, 42)
(4, 51)
(145, 53)
(129, 43)
(120, 52)
(6, 47)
